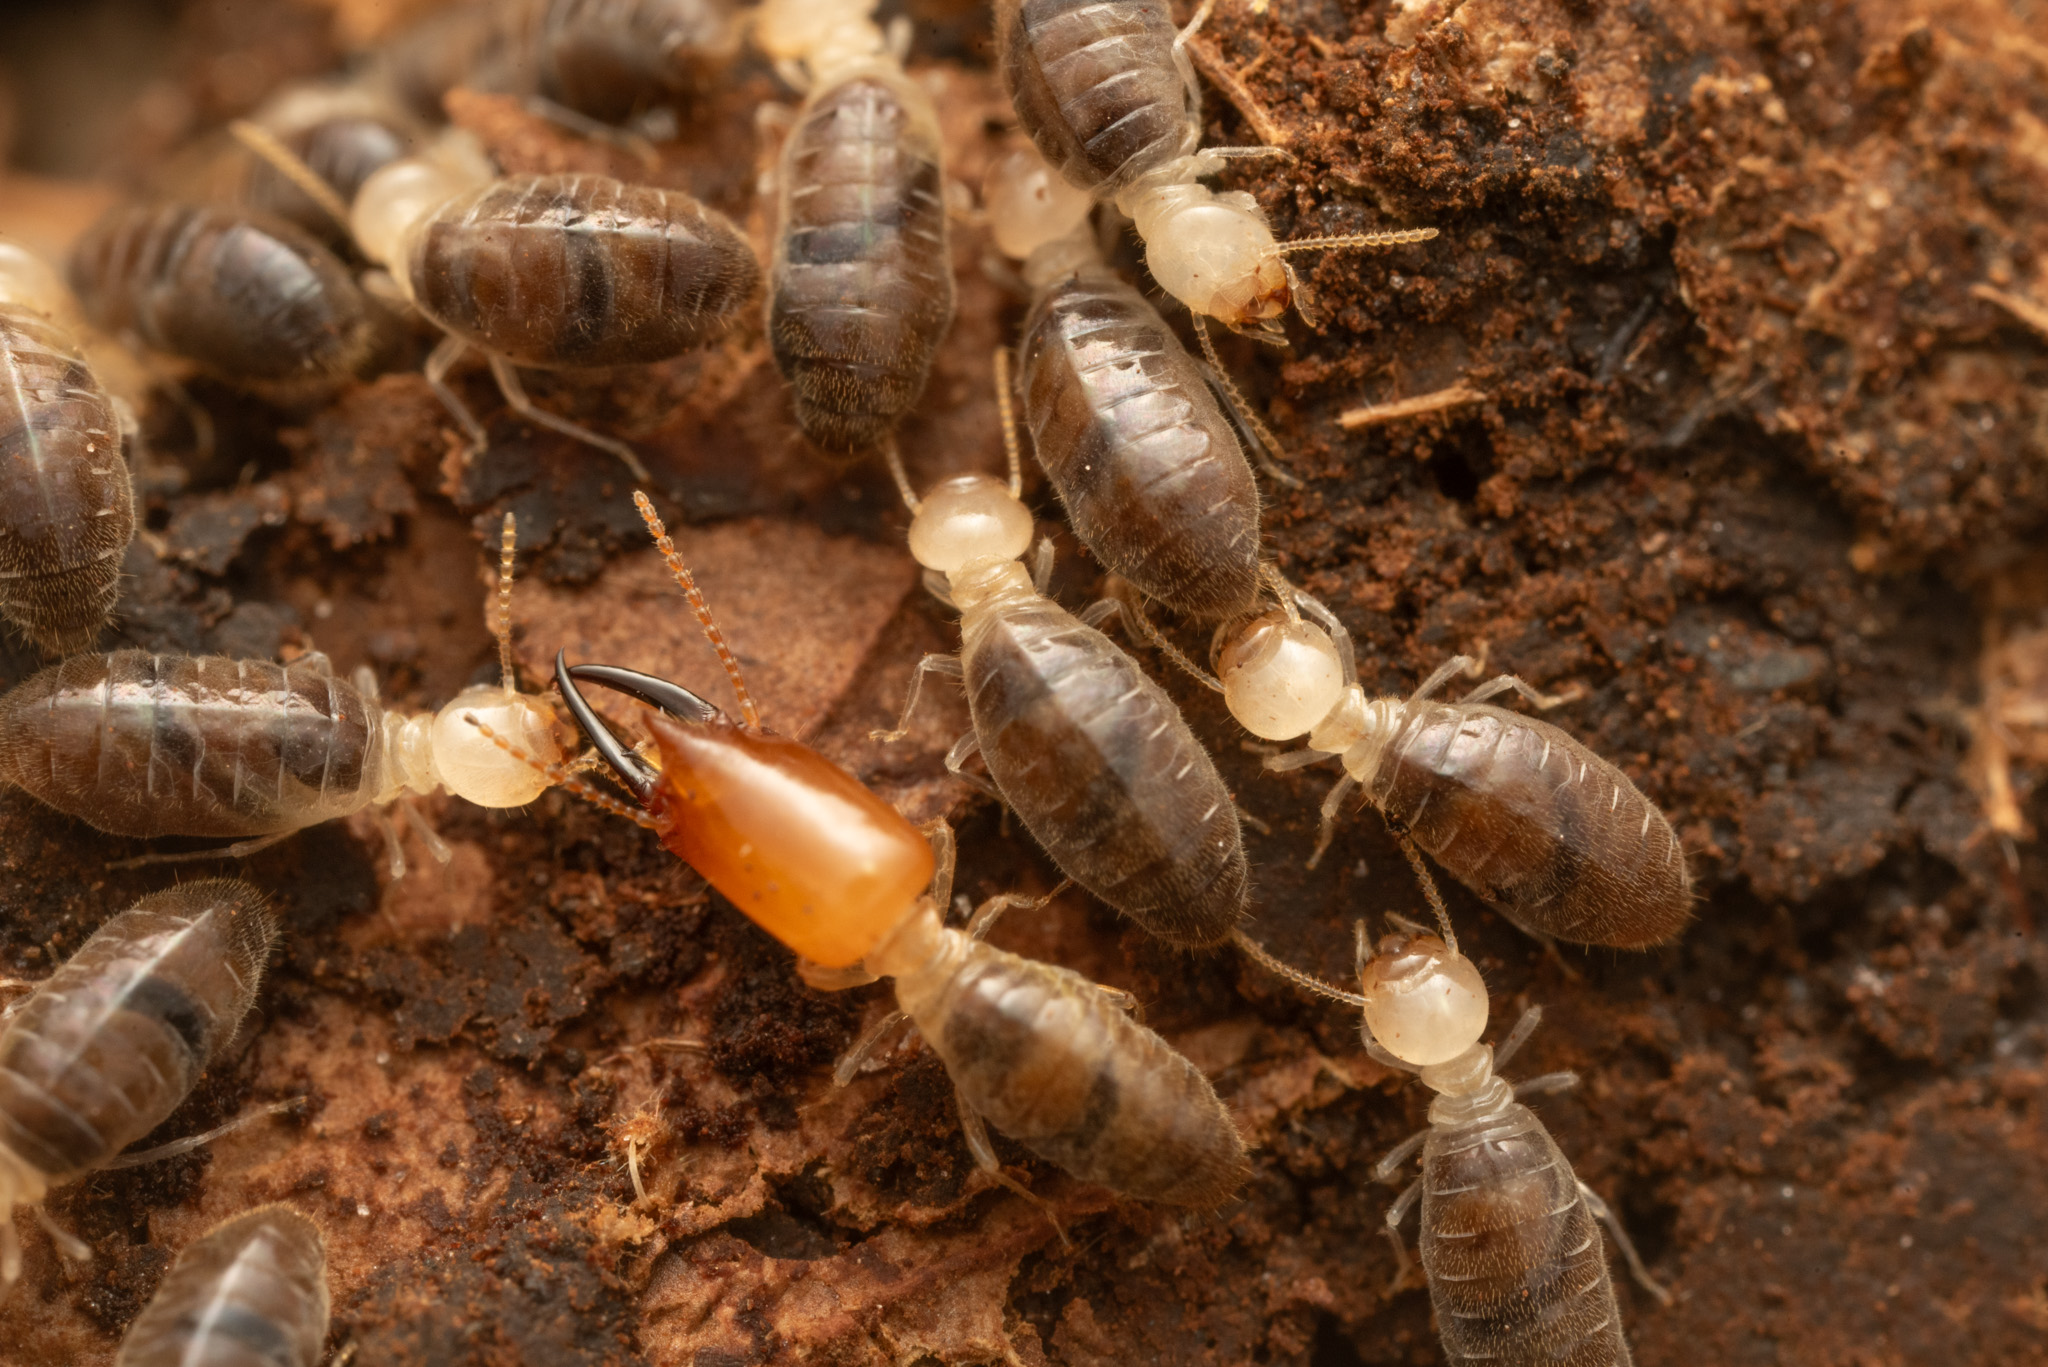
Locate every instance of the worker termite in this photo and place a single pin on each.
(1550, 834)
(823, 864)
(860, 291)
(1092, 755)
(1139, 451)
(1106, 90)
(147, 745)
(336, 135)
(551, 272)
(250, 1292)
(113, 1041)
(67, 506)
(249, 298)
(1516, 1270)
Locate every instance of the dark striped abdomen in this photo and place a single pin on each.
(67, 511)
(1099, 765)
(1144, 460)
(250, 1292)
(1517, 1271)
(114, 1040)
(612, 59)
(147, 745)
(1057, 1065)
(862, 289)
(1537, 824)
(572, 270)
(249, 297)
(1096, 85)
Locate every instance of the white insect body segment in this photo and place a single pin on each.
(1517, 1270)
(113, 1041)
(250, 1292)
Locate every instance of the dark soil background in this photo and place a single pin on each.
(1720, 406)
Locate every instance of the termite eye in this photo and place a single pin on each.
(1280, 677)
(968, 518)
(1424, 1003)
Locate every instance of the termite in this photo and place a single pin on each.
(1093, 756)
(251, 299)
(315, 145)
(1551, 834)
(113, 1041)
(1142, 456)
(145, 745)
(67, 505)
(1106, 90)
(860, 292)
(550, 272)
(250, 1292)
(822, 863)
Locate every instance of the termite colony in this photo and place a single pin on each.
(362, 233)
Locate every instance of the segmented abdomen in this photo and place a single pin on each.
(1538, 824)
(1054, 1063)
(611, 59)
(250, 1292)
(247, 296)
(114, 1040)
(572, 270)
(1145, 462)
(861, 293)
(67, 512)
(1098, 86)
(1517, 1271)
(146, 745)
(1100, 766)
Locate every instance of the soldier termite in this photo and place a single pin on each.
(147, 745)
(250, 1292)
(1094, 757)
(823, 864)
(551, 272)
(251, 299)
(1139, 451)
(113, 1041)
(1555, 837)
(67, 506)
(860, 292)
(1106, 90)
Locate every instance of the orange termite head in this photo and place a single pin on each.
(793, 840)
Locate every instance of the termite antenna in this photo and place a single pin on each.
(894, 456)
(1006, 410)
(1394, 238)
(1264, 958)
(1436, 899)
(688, 583)
(508, 542)
(596, 797)
(292, 167)
(1262, 433)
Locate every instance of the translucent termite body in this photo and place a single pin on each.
(827, 867)
(1517, 1272)
(551, 271)
(67, 506)
(110, 1044)
(250, 298)
(1517, 810)
(860, 292)
(145, 745)
(1106, 90)
(1142, 456)
(607, 59)
(250, 1292)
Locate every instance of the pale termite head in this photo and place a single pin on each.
(969, 518)
(1031, 206)
(474, 767)
(1281, 675)
(1425, 1003)
(397, 200)
(1212, 251)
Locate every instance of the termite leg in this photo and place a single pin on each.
(876, 1041)
(976, 1134)
(440, 361)
(1542, 701)
(1606, 1216)
(1327, 831)
(515, 396)
(964, 749)
(949, 665)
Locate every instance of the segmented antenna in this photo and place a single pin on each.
(561, 777)
(1237, 400)
(1008, 412)
(1393, 238)
(1436, 899)
(1259, 955)
(688, 583)
(508, 542)
(267, 145)
(894, 455)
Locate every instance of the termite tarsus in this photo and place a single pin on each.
(67, 506)
(250, 1292)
